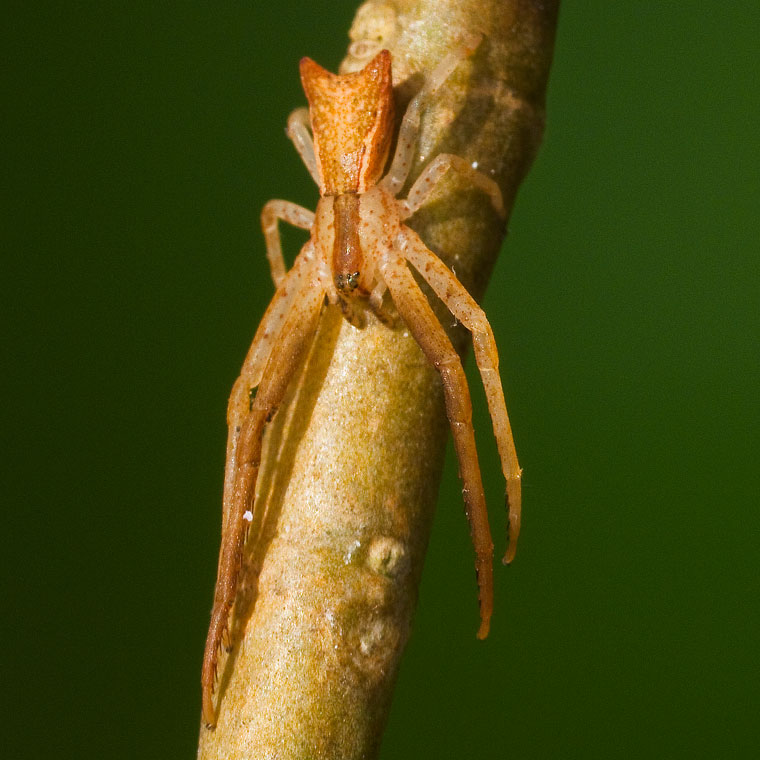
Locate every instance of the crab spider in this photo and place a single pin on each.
(359, 248)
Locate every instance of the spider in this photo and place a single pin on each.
(359, 247)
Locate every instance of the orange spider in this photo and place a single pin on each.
(358, 249)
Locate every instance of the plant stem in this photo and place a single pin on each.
(352, 461)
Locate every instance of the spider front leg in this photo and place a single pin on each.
(245, 439)
(291, 213)
(416, 312)
(266, 336)
(464, 307)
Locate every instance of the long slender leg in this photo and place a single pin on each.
(433, 172)
(463, 306)
(410, 124)
(427, 331)
(298, 132)
(242, 469)
(275, 315)
(291, 213)
(267, 334)
(258, 355)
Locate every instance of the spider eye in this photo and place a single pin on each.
(347, 282)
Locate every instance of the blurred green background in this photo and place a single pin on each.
(144, 138)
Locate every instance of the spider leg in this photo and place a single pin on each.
(416, 312)
(291, 213)
(376, 304)
(275, 315)
(247, 418)
(463, 306)
(265, 338)
(407, 136)
(424, 184)
(298, 132)
(376, 296)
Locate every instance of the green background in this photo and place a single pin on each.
(144, 138)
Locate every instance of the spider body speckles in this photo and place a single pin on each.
(359, 248)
